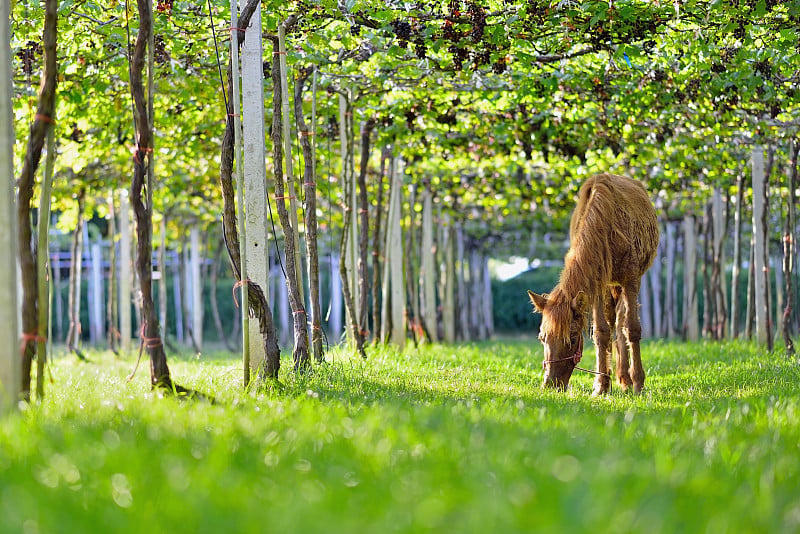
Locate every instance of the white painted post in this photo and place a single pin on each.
(10, 373)
(177, 298)
(758, 233)
(349, 186)
(395, 257)
(448, 306)
(691, 325)
(124, 273)
(197, 287)
(427, 272)
(96, 301)
(335, 318)
(256, 242)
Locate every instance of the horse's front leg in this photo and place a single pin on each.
(602, 342)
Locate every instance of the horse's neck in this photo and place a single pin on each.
(576, 278)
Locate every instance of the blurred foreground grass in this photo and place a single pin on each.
(445, 438)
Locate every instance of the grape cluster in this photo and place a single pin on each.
(659, 75)
(76, 134)
(763, 68)
(164, 6)
(355, 30)
(460, 55)
(420, 48)
(477, 16)
(160, 54)
(403, 31)
(27, 55)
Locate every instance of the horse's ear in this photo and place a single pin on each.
(580, 304)
(538, 301)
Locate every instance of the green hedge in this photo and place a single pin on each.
(513, 311)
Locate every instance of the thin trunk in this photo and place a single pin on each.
(291, 194)
(300, 352)
(377, 261)
(789, 248)
(363, 225)
(737, 256)
(310, 191)
(41, 124)
(43, 265)
(74, 290)
(256, 298)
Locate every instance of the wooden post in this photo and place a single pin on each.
(691, 325)
(10, 373)
(448, 304)
(96, 302)
(124, 273)
(197, 287)
(760, 268)
(427, 270)
(255, 253)
(394, 295)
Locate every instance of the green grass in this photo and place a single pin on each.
(452, 439)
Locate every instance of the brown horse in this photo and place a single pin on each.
(614, 236)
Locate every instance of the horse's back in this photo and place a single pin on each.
(620, 209)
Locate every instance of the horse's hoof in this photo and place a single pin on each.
(601, 388)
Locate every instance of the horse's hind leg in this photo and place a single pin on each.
(633, 333)
(620, 339)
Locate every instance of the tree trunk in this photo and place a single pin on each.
(310, 191)
(708, 300)
(43, 265)
(74, 290)
(256, 298)
(363, 225)
(646, 310)
(162, 278)
(737, 256)
(300, 352)
(291, 195)
(195, 260)
(42, 122)
(789, 248)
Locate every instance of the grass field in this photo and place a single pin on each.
(445, 438)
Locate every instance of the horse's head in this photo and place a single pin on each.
(561, 333)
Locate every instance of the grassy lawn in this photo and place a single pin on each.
(445, 438)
